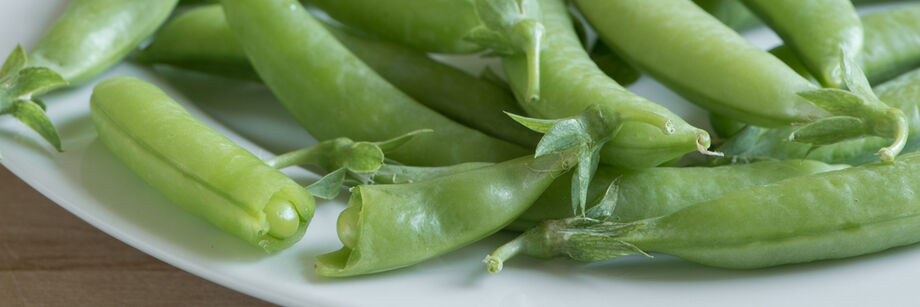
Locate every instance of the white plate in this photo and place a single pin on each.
(88, 181)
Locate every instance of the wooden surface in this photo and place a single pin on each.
(50, 257)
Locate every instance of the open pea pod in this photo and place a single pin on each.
(660, 191)
(388, 226)
(196, 167)
(200, 39)
(830, 215)
(88, 38)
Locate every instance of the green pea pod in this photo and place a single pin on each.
(694, 54)
(650, 135)
(197, 168)
(88, 38)
(201, 40)
(659, 191)
(817, 31)
(451, 26)
(892, 43)
(753, 143)
(333, 94)
(830, 215)
(390, 226)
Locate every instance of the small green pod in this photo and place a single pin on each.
(830, 215)
(196, 167)
(201, 40)
(660, 191)
(389, 226)
(333, 94)
(571, 83)
(818, 31)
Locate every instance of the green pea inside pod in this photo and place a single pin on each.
(389, 226)
(196, 167)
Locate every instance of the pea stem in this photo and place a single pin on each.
(887, 154)
(534, 40)
(296, 157)
(495, 261)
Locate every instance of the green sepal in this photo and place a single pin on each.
(329, 186)
(836, 101)
(14, 62)
(511, 27)
(579, 238)
(330, 155)
(33, 115)
(830, 130)
(854, 77)
(606, 203)
(586, 133)
(394, 143)
(36, 81)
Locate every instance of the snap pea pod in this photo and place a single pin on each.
(892, 43)
(650, 134)
(830, 215)
(389, 226)
(333, 94)
(88, 38)
(690, 51)
(818, 32)
(753, 143)
(201, 40)
(196, 167)
(659, 191)
(451, 26)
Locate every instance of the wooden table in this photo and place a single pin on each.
(50, 257)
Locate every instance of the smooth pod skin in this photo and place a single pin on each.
(753, 143)
(438, 26)
(818, 31)
(660, 191)
(389, 226)
(201, 40)
(92, 35)
(892, 43)
(196, 167)
(333, 94)
(571, 83)
(703, 60)
(830, 215)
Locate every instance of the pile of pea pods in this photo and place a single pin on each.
(812, 155)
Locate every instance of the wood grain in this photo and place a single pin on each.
(50, 257)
